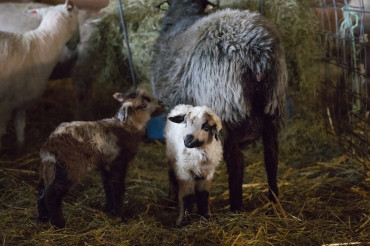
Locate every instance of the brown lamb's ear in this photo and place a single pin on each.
(119, 96)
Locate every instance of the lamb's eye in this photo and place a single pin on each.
(131, 95)
(206, 127)
(143, 105)
(147, 99)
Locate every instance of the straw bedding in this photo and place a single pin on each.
(325, 196)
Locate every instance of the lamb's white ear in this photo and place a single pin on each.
(125, 111)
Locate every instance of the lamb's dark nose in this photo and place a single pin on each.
(191, 142)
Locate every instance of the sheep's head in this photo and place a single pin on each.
(137, 107)
(202, 3)
(178, 9)
(201, 124)
(67, 14)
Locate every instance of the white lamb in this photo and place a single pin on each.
(27, 60)
(194, 151)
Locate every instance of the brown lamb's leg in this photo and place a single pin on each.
(108, 189)
(54, 195)
(118, 172)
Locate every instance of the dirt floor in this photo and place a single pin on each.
(325, 196)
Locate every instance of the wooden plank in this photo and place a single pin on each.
(81, 4)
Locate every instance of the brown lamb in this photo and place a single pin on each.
(108, 145)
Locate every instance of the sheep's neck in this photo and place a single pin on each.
(130, 126)
(49, 32)
(178, 13)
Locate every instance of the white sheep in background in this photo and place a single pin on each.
(74, 148)
(194, 151)
(14, 18)
(27, 60)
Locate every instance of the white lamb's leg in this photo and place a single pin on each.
(186, 198)
(202, 196)
(20, 124)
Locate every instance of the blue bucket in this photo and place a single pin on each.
(155, 127)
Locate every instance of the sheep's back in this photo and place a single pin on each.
(98, 142)
(217, 61)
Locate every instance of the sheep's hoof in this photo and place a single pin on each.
(172, 203)
(236, 210)
(183, 223)
(185, 220)
(236, 207)
(43, 218)
(206, 217)
(58, 223)
(272, 197)
(123, 219)
(109, 209)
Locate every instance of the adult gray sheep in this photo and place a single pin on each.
(233, 62)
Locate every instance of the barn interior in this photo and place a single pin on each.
(324, 159)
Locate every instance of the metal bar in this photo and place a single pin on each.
(131, 64)
(262, 10)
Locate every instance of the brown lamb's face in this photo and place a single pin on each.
(138, 104)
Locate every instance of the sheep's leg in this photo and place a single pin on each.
(41, 205)
(270, 144)
(118, 172)
(235, 167)
(108, 189)
(48, 176)
(174, 186)
(54, 195)
(202, 189)
(186, 201)
(20, 125)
